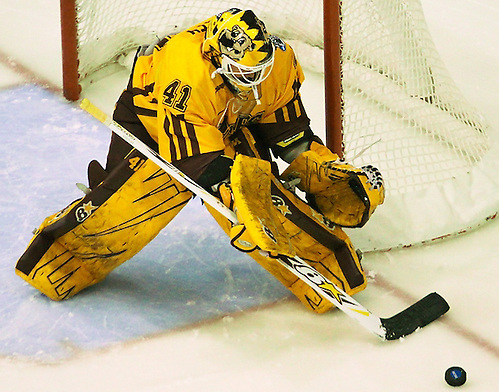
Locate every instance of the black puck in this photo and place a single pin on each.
(455, 376)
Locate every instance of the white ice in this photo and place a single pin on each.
(283, 347)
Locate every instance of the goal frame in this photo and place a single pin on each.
(419, 124)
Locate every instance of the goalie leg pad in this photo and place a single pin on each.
(307, 234)
(324, 246)
(82, 244)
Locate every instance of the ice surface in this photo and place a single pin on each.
(271, 347)
(188, 274)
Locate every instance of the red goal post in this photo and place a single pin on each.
(69, 41)
(332, 76)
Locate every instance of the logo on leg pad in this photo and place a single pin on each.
(84, 211)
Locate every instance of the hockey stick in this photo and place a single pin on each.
(416, 316)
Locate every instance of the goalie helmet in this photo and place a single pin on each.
(239, 46)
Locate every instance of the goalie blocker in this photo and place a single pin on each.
(80, 245)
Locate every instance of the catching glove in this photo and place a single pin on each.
(343, 193)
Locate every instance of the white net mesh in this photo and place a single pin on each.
(402, 111)
(398, 92)
(107, 29)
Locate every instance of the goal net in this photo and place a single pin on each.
(401, 110)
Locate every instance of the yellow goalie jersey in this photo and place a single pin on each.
(188, 109)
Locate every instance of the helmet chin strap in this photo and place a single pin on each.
(216, 72)
(256, 94)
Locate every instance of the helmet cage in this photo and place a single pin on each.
(243, 75)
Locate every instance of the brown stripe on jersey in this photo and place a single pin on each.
(295, 109)
(286, 113)
(145, 91)
(279, 116)
(274, 132)
(292, 110)
(171, 146)
(191, 133)
(145, 112)
(179, 140)
(301, 108)
(177, 131)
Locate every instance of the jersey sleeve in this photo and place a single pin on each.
(286, 115)
(175, 103)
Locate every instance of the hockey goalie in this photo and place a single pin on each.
(221, 102)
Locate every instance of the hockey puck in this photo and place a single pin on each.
(455, 376)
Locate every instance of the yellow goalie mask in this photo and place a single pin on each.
(239, 46)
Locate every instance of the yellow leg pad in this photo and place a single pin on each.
(82, 244)
(59, 275)
(326, 248)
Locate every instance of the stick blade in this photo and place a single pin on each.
(416, 316)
